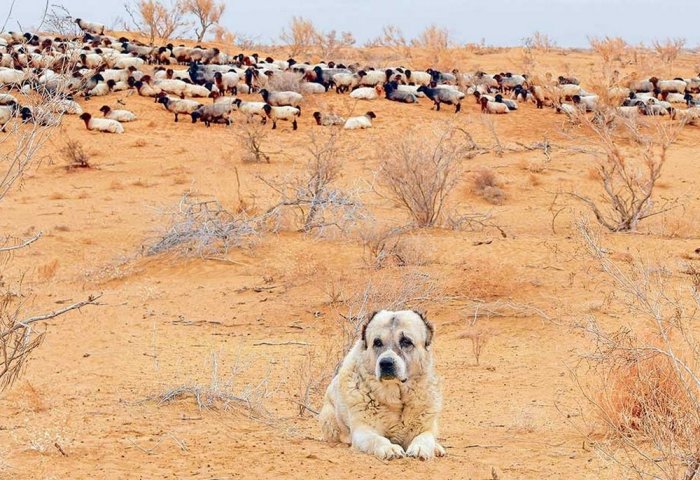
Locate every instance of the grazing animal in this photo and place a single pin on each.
(493, 107)
(286, 113)
(385, 399)
(443, 95)
(178, 106)
(392, 92)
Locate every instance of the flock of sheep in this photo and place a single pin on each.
(97, 65)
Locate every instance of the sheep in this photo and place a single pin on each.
(691, 115)
(493, 107)
(117, 86)
(282, 99)
(250, 109)
(690, 100)
(478, 96)
(226, 82)
(366, 93)
(653, 110)
(671, 86)
(392, 92)
(11, 77)
(634, 98)
(116, 74)
(286, 113)
(218, 98)
(673, 97)
(411, 89)
(198, 90)
(172, 74)
(443, 95)
(567, 109)
(586, 103)
(328, 120)
(90, 27)
(641, 86)
(126, 61)
(91, 60)
(345, 81)
(101, 124)
(118, 115)
(65, 106)
(178, 106)
(511, 104)
(568, 80)
(216, 113)
(437, 77)
(100, 90)
(371, 78)
(508, 81)
(312, 88)
(174, 87)
(628, 112)
(6, 113)
(363, 121)
(147, 90)
(418, 78)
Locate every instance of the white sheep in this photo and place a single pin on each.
(6, 114)
(328, 119)
(371, 78)
(118, 115)
(11, 77)
(172, 86)
(65, 106)
(7, 99)
(671, 86)
(286, 113)
(363, 121)
(197, 91)
(282, 99)
(493, 107)
(312, 88)
(417, 78)
(367, 93)
(101, 124)
(178, 106)
(344, 81)
(126, 61)
(250, 109)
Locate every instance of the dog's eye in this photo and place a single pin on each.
(378, 343)
(406, 343)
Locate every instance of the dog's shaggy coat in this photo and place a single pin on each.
(385, 399)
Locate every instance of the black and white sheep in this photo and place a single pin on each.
(443, 95)
(118, 115)
(360, 122)
(286, 113)
(101, 124)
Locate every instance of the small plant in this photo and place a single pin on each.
(478, 338)
(486, 184)
(421, 170)
(75, 155)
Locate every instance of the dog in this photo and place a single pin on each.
(385, 399)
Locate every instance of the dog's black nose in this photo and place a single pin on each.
(386, 364)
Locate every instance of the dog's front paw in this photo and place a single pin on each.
(389, 452)
(425, 448)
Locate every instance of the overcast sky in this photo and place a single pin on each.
(504, 22)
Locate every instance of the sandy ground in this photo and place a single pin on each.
(93, 387)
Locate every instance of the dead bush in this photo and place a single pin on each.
(157, 20)
(487, 185)
(478, 337)
(222, 392)
(204, 229)
(252, 139)
(206, 12)
(332, 44)
(392, 39)
(75, 155)
(668, 51)
(435, 41)
(309, 378)
(629, 156)
(610, 49)
(311, 198)
(420, 170)
(645, 392)
(390, 246)
(540, 42)
(299, 37)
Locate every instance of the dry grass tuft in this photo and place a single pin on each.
(75, 155)
(487, 185)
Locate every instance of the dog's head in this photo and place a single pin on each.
(397, 344)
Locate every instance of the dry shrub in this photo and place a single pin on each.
(539, 41)
(76, 157)
(157, 20)
(252, 140)
(487, 185)
(299, 37)
(420, 170)
(435, 41)
(285, 82)
(610, 49)
(630, 156)
(478, 337)
(332, 44)
(668, 51)
(222, 392)
(206, 12)
(204, 229)
(645, 391)
(224, 35)
(310, 200)
(389, 246)
(308, 379)
(392, 39)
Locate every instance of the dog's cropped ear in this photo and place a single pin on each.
(430, 330)
(368, 319)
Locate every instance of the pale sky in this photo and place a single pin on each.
(500, 23)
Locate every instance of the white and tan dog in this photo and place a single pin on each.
(385, 399)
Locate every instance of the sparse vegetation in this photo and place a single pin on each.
(156, 19)
(75, 155)
(487, 185)
(207, 14)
